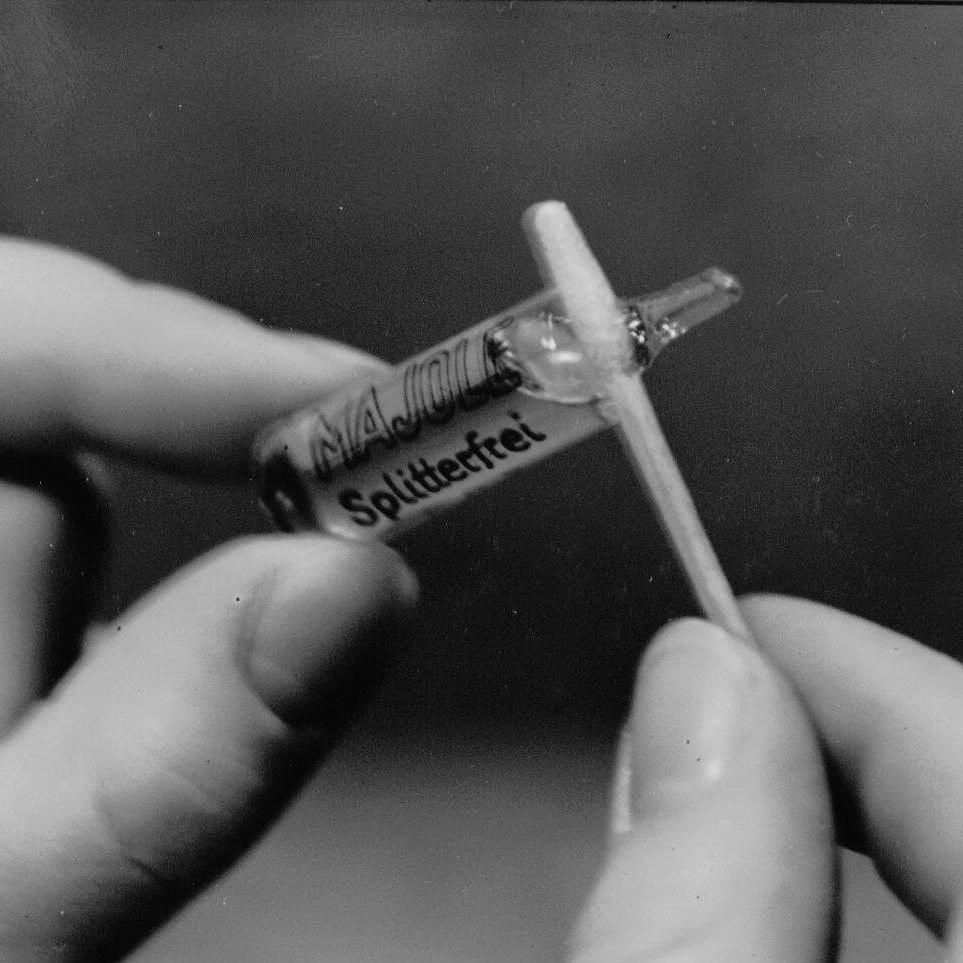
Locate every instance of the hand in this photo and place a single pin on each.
(723, 844)
(129, 779)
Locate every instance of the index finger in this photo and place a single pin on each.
(889, 712)
(92, 359)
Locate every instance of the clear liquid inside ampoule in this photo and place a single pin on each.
(551, 361)
(555, 365)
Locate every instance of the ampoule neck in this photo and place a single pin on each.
(543, 350)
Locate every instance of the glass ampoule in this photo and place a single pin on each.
(381, 454)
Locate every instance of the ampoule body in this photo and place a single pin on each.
(382, 454)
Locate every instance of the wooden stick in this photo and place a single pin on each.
(567, 263)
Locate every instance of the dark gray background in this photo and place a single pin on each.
(358, 171)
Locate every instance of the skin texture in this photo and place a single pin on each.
(722, 845)
(135, 772)
(132, 777)
(723, 840)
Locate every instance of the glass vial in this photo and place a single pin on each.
(382, 454)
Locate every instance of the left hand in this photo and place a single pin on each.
(132, 776)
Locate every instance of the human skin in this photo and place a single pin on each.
(724, 831)
(140, 759)
(133, 776)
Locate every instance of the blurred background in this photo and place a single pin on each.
(359, 171)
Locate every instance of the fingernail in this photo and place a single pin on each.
(321, 634)
(688, 713)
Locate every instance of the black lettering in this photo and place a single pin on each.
(470, 394)
(408, 425)
(471, 438)
(387, 504)
(534, 435)
(351, 500)
(492, 445)
(436, 389)
(328, 446)
(465, 458)
(417, 481)
(513, 441)
(410, 485)
(394, 490)
(369, 426)
(450, 470)
(425, 473)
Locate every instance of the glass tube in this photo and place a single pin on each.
(382, 454)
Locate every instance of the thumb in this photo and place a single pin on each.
(722, 845)
(170, 748)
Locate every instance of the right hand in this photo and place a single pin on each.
(724, 838)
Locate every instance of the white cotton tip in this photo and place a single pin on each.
(567, 264)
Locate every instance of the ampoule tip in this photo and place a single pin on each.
(660, 318)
